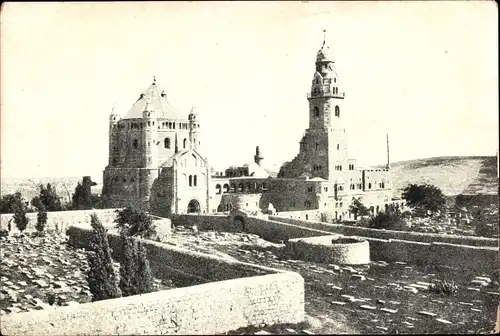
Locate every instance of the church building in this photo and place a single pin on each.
(155, 163)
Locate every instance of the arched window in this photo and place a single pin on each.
(316, 111)
(226, 188)
(135, 143)
(240, 187)
(337, 111)
(184, 143)
(195, 182)
(218, 189)
(190, 180)
(317, 145)
(338, 147)
(233, 187)
(369, 185)
(167, 143)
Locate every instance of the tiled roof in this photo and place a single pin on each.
(157, 100)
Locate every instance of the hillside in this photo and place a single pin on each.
(476, 175)
(65, 187)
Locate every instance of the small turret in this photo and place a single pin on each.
(258, 158)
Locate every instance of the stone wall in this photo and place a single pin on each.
(321, 250)
(62, 219)
(269, 296)
(461, 255)
(389, 234)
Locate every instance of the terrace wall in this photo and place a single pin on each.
(349, 230)
(269, 296)
(462, 257)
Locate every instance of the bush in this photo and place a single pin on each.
(358, 208)
(131, 222)
(443, 287)
(41, 220)
(102, 279)
(135, 273)
(389, 220)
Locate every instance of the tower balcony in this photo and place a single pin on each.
(340, 95)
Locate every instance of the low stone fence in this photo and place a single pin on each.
(346, 251)
(61, 220)
(349, 230)
(263, 296)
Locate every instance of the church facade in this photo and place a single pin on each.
(155, 163)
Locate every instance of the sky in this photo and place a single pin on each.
(426, 73)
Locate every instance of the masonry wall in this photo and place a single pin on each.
(269, 296)
(62, 219)
(461, 256)
(389, 234)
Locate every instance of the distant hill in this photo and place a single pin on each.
(454, 175)
(65, 187)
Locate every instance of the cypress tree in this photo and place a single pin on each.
(128, 267)
(145, 280)
(102, 279)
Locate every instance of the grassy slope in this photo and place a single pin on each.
(453, 174)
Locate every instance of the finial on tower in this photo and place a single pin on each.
(154, 79)
(324, 37)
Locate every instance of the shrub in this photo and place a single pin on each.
(443, 287)
(4, 233)
(131, 222)
(389, 220)
(41, 220)
(102, 279)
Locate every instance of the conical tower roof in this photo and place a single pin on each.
(153, 98)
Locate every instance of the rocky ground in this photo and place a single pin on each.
(34, 269)
(376, 298)
(380, 297)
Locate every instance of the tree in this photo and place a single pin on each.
(8, 202)
(131, 222)
(128, 267)
(424, 198)
(358, 208)
(20, 218)
(135, 273)
(41, 220)
(145, 280)
(102, 279)
(48, 198)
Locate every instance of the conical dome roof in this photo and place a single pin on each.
(155, 99)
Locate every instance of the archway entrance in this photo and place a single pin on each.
(194, 207)
(239, 223)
